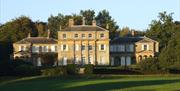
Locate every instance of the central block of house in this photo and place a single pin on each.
(83, 44)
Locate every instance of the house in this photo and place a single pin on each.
(86, 44)
(31, 48)
(131, 50)
(83, 44)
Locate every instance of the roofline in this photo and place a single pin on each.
(85, 26)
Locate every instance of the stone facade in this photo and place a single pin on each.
(83, 44)
(31, 49)
(130, 50)
(87, 44)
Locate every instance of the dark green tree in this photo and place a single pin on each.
(17, 29)
(103, 19)
(162, 29)
(89, 15)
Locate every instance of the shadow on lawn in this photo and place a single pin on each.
(119, 85)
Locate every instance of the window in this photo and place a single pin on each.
(76, 60)
(111, 48)
(128, 48)
(83, 47)
(64, 60)
(64, 47)
(75, 35)
(123, 62)
(90, 60)
(76, 47)
(83, 60)
(102, 47)
(53, 48)
(83, 36)
(64, 36)
(102, 35)
(22, 48)
(121, 48)
(90, 47)
(145, 47)
(90, 35)
(45, 49)
(35, 49)
(128, 60)
(56, 49)
(131, 48)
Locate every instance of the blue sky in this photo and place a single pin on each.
(136, 14)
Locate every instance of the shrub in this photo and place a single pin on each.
(72, 69)
(88, 69)
(149, 64)
(26, 70)
(57, 71)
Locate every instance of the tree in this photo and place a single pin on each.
(41, 27)
(162, 29)
(89, 15)
(17, 29)
(103, 19)
(170, 55)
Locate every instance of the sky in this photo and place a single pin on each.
(136, 14)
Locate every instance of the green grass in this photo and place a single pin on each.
(94, 83)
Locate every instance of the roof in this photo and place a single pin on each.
(37, 40)
(131, 40)
(84, 28)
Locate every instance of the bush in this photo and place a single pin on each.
(57, 71)
(149, 64)
(88, 69)
(72, 69)
(26, 70)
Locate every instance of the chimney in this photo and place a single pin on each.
(94, 23)
(48, 33)
(29, 35)
(83, 21)
(107, 26)
(60, 28)
(71, 22)
(133, 33)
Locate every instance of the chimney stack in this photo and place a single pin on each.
(107, 26)
(60, 28)
(94, 23)
(133, 33)
(83, 21)
(29, 35)
(71, 22)
(48, 33)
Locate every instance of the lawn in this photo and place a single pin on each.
(94, 83)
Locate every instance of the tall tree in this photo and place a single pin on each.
(17, 29)
(162, 29)
(103, 19)
(89, 15)
(41, 28)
